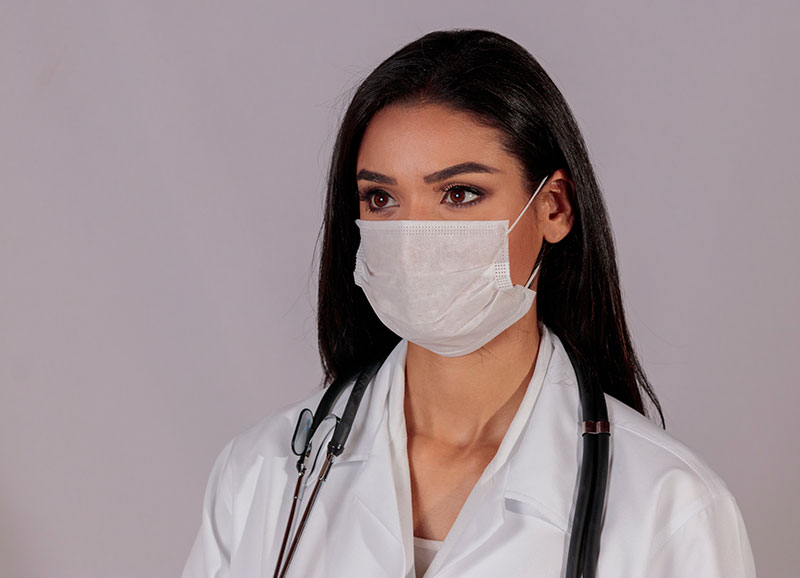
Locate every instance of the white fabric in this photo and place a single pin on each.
(668, 514)
(424, 552)
(444, 285)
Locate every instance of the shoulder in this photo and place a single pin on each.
(642, 452)
(653, 472)
(659, 456)
(664, 499)
(268, 438)
(666, 494)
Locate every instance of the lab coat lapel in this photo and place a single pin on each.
(531, 496)
(483, 515)
(376, 513)
(372, 533)
(543, 471)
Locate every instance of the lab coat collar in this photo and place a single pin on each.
(538, 479)
(372, 412)
(543, 471)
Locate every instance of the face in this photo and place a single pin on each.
(429, 162)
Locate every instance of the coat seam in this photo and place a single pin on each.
(706, 505)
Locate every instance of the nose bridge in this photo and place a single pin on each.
(421, 205)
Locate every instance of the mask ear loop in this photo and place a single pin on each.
(528, 204)
(530, 279)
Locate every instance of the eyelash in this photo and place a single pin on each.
(368, 193)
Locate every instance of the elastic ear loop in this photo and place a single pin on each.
(525, 208)
(530, 279)
(528, 204)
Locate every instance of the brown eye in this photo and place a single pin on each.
(457, 196)
(379, 200)
(460, 195)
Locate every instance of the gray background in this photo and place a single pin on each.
(162, 170)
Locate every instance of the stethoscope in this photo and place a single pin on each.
(587, 522)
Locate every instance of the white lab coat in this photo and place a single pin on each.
(667, 515)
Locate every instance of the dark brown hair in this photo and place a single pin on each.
(500, 84)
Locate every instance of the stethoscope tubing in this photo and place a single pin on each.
(584, 545)
(594, 524)
(323, 475)
(335, 447)
(295, 501)
(587, 521)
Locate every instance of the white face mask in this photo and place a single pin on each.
(444, 285)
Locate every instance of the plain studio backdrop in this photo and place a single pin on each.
(162, 173)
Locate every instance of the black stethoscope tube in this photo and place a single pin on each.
(594, 525)
(587, 521)
(323, 475)
(295, 501)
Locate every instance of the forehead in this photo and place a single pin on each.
(420, 139)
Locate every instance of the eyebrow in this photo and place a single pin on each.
(461, 168)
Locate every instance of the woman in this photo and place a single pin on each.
(460, 189)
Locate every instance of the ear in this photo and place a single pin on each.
(555, 207)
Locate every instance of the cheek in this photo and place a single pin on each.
(522, 250)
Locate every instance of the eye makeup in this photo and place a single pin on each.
(473, 194)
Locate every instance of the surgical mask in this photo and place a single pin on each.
(444, 285)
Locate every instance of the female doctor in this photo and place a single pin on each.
(467, 248)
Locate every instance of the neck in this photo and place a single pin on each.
(473, 398)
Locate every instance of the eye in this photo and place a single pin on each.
(377, 199)
(460, 195)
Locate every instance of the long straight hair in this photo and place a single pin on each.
(501, 85)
